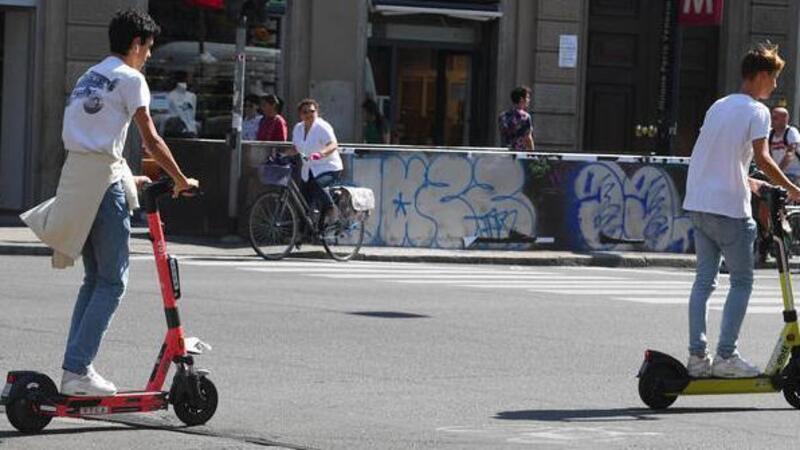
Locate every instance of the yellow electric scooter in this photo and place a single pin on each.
(663, 378)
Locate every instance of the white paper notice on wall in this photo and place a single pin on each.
(568, 50)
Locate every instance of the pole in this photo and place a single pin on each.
(669, 79)
(235, 136)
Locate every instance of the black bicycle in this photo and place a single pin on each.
(763, 246)
(282, 220)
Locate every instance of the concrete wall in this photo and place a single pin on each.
(72, 36)
(746, 23)
(325, 54)
(434, 199)
(528, 55)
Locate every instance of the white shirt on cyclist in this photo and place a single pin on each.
(319, 136)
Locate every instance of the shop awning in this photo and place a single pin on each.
(476, 10)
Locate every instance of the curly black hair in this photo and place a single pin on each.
(127, 25)
(519, 93)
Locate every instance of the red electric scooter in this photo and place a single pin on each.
(31, 399)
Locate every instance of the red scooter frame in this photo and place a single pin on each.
(32, 399)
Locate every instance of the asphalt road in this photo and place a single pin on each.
(370, 355)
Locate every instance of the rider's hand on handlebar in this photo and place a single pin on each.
(141, 180)
(794, 194)
(756, 185)
(185, 186)
(315, 156)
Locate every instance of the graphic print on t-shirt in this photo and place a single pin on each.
(92, 87)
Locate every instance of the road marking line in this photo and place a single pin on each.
(374, 270)
(428, 275)
(685, 300)
(756, 309)
(346, 266)
(515, 283)
(585, 286)
(627, 292)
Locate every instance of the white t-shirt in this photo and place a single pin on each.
(250, 127)
(717, 179)
(183, 104)
(101, 107)
(777, 148)
(320, 134)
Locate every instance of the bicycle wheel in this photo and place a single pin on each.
(343, 239)
(273, 226)
(794, 222)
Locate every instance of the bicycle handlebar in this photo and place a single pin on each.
(775, 198)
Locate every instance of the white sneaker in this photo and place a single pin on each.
(89, 385)
(733, 367)
(699, 366)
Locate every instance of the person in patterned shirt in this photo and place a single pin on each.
(516, 124)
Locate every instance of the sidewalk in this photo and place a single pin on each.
(21, 241)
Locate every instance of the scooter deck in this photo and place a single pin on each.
(122, 402)
(761, 384)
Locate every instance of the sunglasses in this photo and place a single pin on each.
(308, 111)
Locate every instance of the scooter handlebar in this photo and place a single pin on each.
(151, 192)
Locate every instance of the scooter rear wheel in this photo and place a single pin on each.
(651, 387)
(199, 410)
(791, 392)
(23, 412)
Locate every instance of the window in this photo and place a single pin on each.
(192, 66)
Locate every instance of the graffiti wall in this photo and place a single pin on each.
(436, 200)
(450, 199)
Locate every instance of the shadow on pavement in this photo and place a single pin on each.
(615, 414)
(58, 431)
(388, 314)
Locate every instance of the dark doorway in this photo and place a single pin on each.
(623, 74)
(426, 92)
(698, 80)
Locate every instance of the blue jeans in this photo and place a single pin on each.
(716, 236)
(105, 262)
(315, 192)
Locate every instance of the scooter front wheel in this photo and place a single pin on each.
(23, 412)
(651, 387)
(199, 410)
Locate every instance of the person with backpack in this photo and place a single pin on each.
(783, 141)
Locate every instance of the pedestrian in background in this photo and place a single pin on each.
(273, 125)
(252, 119)
(783, 140)
(516, 124)
(718, 194)
(376, 128)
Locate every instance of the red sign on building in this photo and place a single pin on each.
(700, 12)
(212, 4)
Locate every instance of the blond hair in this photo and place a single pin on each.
(763, 57)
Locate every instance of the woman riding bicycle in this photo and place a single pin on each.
(313, 137)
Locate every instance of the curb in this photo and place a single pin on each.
(599, 259)
(25, 250)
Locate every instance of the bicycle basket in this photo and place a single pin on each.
(272, 174)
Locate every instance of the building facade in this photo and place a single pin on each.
(440, 70)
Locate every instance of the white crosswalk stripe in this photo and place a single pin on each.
(619, 284)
